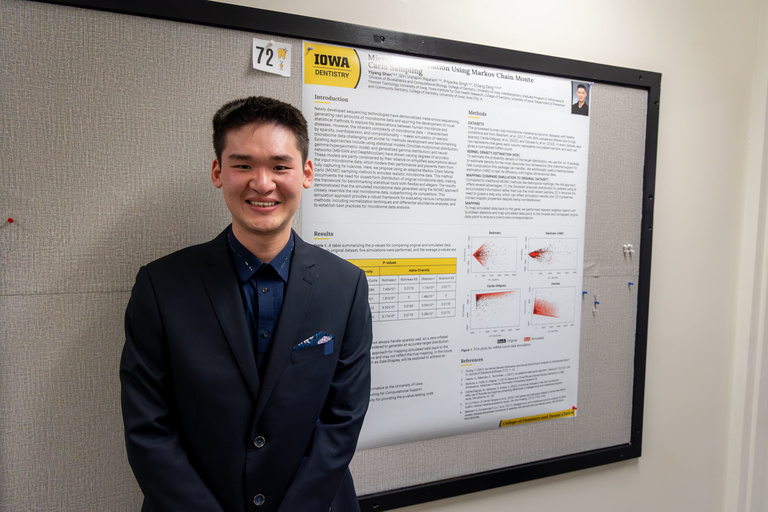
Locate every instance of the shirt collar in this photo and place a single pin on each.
(247, 264)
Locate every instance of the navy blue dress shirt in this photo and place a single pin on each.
(262, 286)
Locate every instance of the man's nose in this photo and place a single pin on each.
(262, 182)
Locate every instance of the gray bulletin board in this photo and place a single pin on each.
(106, 157)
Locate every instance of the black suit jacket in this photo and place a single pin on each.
(203, 430)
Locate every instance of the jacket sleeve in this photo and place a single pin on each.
(161, 466)
(341, 418)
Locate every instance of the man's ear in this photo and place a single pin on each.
(309, 173)
(216, 173)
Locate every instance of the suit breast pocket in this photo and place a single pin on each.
(308, 354)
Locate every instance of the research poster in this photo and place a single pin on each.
(460, 190)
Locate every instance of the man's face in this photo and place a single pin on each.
(261, 174)
(581, 93)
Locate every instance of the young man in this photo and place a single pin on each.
(246, 368)
(581, 107)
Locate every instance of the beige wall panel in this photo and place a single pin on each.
(615, 185)
(61, 433)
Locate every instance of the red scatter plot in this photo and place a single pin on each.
(482, 297)
(553, 254)
(545, 308)
(481, 255)
(498, 308)
(540, 254)
(494, 254)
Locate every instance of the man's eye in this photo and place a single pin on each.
(280, 168)
(242, 166)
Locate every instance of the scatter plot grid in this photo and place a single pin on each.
(495, 309)
(553, 305)
(494, 255)
(553, 254)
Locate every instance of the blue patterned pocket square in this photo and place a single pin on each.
(321, 338)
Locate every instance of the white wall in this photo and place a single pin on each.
(705, 337)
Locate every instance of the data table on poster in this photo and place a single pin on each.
(410, 288)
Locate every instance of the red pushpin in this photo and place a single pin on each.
(10, 220)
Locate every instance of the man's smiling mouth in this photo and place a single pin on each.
(260, 203)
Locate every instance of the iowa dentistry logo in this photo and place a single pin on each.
(331, 65)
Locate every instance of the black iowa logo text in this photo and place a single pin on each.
(331, 60)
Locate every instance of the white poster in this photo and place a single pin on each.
(461, 191)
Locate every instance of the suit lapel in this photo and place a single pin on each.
(223, 290)
(299, 291)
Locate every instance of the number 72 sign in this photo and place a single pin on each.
(272, 57)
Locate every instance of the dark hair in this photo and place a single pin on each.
(259, 110)
(581, 86)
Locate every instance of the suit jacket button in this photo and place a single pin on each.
(259, 442)
(259, 500)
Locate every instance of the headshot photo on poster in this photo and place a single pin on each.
(580, 98)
